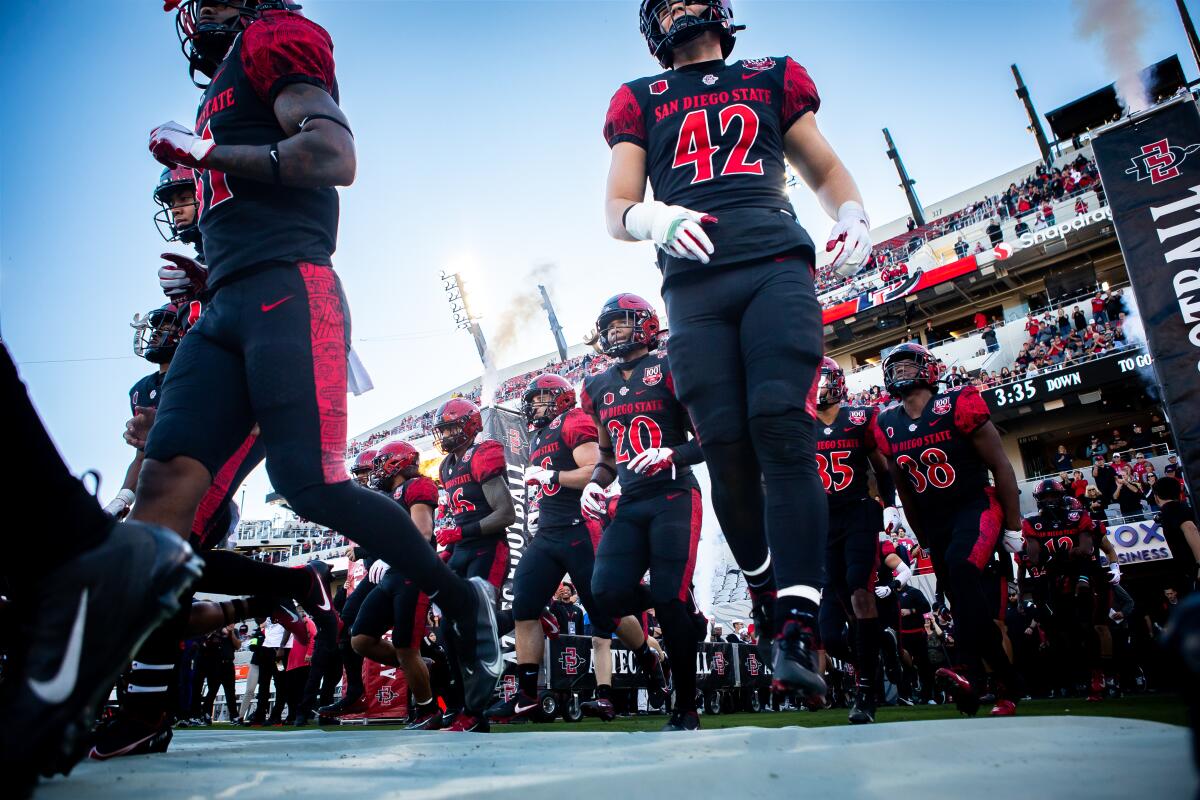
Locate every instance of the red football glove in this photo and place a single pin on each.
(172, 144)
(449, 535)
(183, 276)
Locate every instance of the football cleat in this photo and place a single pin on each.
(430, 720)
(478, 645)
(600, 707)
(349, 704)
(862, 710)
(85, 619)
(1005, 708)
(682, 721)
(795, 662)
(125, 735)
(959, 688)
(518, 708)
(468, 723)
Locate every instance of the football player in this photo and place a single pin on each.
(480, 509)
(940, 449)
(642, 431)
(847, 454)
(890, 579)
(175, 195)
(269, 146)
(712, 137)
(563, 452)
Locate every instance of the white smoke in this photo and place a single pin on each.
(1118, 28)
(522, 309)
(491, 379)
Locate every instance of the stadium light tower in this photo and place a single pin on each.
(1035, 124)
(1189, 29)
(906, 183)
(456, 296)
(555, 328)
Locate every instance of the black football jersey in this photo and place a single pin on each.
(244, 222)
(640, 413)
(713, 134)
(843, 448)
(1059, 537)
(935, 450)
(463, 480)
(551, 447)
(145, 393)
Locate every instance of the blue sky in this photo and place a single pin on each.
(478, 128)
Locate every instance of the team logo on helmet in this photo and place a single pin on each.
(658, 87)
(653, 375)
(941, 405)
(858, 417)
(758, 64)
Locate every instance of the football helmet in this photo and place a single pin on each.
(364, 463)
(928, 370)
(633, 309)
(662, 43)
(831, 386)
(561, 392)
(457, 424)
(1051, 497)
(395, 458)
(170, 184)
(157, 334)
(204, 42)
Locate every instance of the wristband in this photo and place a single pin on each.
(554, 478)
(273, 153)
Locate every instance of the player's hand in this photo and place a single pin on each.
(449, 535)
(119, 506)
(1014, 542)
(540, 477)
(653, 461)
(673, 228)
(182, 276)
(137, 429)
(1114, 573)
(594, 501)
(378, 570)
(850, 239)
(174, 144)
(891, 518)
(883, 592)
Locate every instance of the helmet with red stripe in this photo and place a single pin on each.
(633, 311)
(1051, 497)
(363, 464)
(910, 366)
(176, 196)
(395, 458)
(562, 399)
(665, 30)
(831, 387)
(206, 39)
(457, 424)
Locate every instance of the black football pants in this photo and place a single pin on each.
(555, 552)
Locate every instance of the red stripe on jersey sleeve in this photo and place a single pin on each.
(487, 461)
(585, 402)
(420, 490)
(578, 428)
(624, 122)
(970, 410)
(283, 48)
(799, 93)
(876, 433)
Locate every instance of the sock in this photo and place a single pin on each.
(866, 650)
(527, 678)
(354, 664)
(680, 640)
(794, 608)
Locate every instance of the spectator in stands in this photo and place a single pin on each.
(1039, 222)
(1115, 305)
(989, 339)
(1158, 429)
(739, 632)
(1128, 495)
(1055, 353)
(1021, 228)
(1032, 327)
(1117, 442)
(1079, 318)
(1096, 448)
(995, 235)
(1079, 486)
(911, 224)
(961, 247)
(1062, 459)
(1105, 478)
(1099, 314)
(1005, 375)
(1081, 206)
(1048, 214)
(1138, 438)
(1064, 322)
(1095, 503)
(1172, 467)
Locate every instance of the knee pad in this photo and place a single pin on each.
(784, 441)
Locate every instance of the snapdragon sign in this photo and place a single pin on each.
(1150, 171)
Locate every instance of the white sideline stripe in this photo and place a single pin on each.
(140, 665)
(144, 689)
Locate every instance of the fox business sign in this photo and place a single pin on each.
(1151, 174)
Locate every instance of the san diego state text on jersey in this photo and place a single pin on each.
(242, 221)
(551, 448)
(640, 413)
(463, 480)
(842, 450)
(713, 134)
(935, 450)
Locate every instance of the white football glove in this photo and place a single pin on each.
(1114, 573)
(120, 504)
(377, 571)
(883, 591)
(540, 477)
(653, 461)
(594, 503)
(172, 143)
(1014, 542)
(891, 518)
(850, 239)
(673, 228)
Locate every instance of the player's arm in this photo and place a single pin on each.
(586, 455)
(1192, 535)
(908, 500)
(986, 440)
(883, 478)
(422, 517)
(813, 158)
(901, 575)
(504, 513)
(594, 501)
(626, 187)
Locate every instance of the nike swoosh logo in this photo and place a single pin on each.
(520, 709)
(748, 75)
(933, 423)
(59, 688)
(266, 307)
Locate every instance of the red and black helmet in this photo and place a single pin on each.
(457, 424)
(173, 181)
(205, 43)
(363, 464)
(395, 458)
(662, 43)
(637, 311)
(157, 334)
(1050, 496)
(560, 390)
(831, 385)
(928, 374)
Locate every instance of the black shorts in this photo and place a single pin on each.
(969, 530)
(394, 603)
(214, 516)
(659, 533)
(485, 558)
(270, 348)
(745, 342)
(852, 550)
(554, 552)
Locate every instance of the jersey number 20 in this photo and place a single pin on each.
(644, 433)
